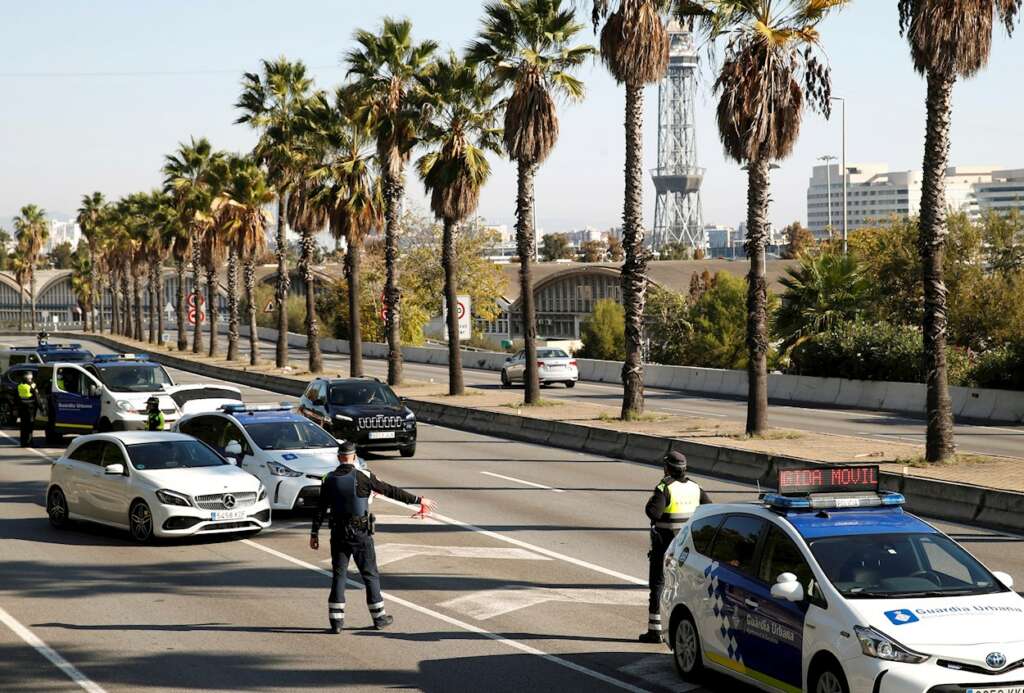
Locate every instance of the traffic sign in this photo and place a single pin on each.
(270, 306)
(383, 309)
(464, 313)
(192, 300)
(196, 316)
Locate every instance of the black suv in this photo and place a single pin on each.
(362, 410)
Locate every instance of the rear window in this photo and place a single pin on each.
(703, 531)
(551, 354)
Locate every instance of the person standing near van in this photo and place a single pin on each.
(27, 398)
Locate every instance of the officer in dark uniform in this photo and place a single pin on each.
(345, 496)
(154, 417)
(27, 400)
(669, 508)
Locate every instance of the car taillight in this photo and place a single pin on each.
(572, 362)
(540, 364)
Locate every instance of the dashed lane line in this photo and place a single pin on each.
(31, 639)
(524, 482)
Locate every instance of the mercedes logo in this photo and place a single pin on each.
(995, 660)
(229, 502)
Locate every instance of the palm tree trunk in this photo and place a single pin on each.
(634, 269)
(211, 306)
(197, 298)
(158, 274)
(525, 244)
(21, 308)
(394, 188)
(179, 266)
(250, 300)
(126, 308)
(316, 360)
(98, 306)
(32, 295)
(115, 316)
(757, 298)
(939, 444)
(281, 295)
(93, 286)
(151, 297)
(353, 258)
(137, 300)
(232, 304)
(455, 382)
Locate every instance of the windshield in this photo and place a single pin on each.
(363, 392)
(551, 354)
(887, 566)
(176, 454)
(67, 357)
(141, 378)
(289, 435)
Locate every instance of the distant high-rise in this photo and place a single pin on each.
(63, 232)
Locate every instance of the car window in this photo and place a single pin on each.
(736, 542)
(232, 433)
(177, 454)
(111, 455)
(140, 378)
(703, 531)
(209, 429)
(17, 358)
(289, 435)
(310, 392)
(73, 381)
(552, 354)
(363, 392)
(88, 452)
(781, 555)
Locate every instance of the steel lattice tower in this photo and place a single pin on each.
(677, 180)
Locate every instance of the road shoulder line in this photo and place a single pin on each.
(49, 653)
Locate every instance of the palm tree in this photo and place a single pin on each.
(159, 245)
(174, 230)
(308, 218)
(825, 290)
(83, 279)
(949, 39)
(459, 131)
(771, 70)
(271, 103)
(527, 48)
(386, 67)
(350, 189)
(33, 231)
(21, 268)
(89, 220)
(634, 47)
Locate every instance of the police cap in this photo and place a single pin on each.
(675, 461)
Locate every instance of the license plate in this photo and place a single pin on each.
(997, 689)
(378, 435)
(227, 515)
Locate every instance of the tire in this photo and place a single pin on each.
(140, 522)
(57, 508)
(570, 384)
(104, 426)
(407, 451)
(505, 380)
(7, 414)
(53, 437)
(686, 653)
(827, 677)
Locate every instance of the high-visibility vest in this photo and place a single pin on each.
(25, 392)
(683, 500)
(156, 420)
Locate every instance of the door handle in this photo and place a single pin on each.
(751, 603)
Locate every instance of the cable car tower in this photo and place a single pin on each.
(677, 180)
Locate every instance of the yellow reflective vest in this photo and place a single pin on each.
(683, 500)
(26, 392)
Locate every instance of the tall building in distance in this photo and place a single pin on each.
(63, 232)
(677, 179)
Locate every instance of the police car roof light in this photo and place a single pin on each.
(120, 357)
(834, 501)
(255, 408)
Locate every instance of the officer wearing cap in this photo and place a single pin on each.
(345, 498)
(669, 508)
(154, 417)
(28, 397)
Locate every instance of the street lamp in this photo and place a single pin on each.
(828, 159)
(846, 174)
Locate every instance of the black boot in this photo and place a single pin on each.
(652, 637)
(383, 621)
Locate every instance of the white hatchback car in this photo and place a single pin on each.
(838, 592)
(154, 484)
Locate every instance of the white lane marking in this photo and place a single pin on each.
(390, 553)
(532, 547)
(523, 481)
(492, 603)
(45, 650)
(514, 644)
(42, 454)
(657, 670)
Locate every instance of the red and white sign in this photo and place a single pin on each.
(192, 300)
(195, 316)
(269, 308)
(463, 311)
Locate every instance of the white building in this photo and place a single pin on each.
(1002, 193)
(63, 232)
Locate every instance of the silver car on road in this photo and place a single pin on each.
(553, 366)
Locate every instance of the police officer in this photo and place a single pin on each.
(154, 417)
(345, 496)
(27, 396)
(669, 508)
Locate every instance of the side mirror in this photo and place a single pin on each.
(508, 359)
(94, 391)
(403, 399)
(786, 587)
(1005, 578)
(114, 470)
(233, 449)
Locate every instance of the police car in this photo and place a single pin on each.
(829, 586)
(283, 449)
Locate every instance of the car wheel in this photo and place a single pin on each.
(104, 426)
(53, 437)
(57, 508)
(7, 417)
(570, 383)
(686, 656)
(828, 678)
(407, 451)
(505, 380)
(140, 522)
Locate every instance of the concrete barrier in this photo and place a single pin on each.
(605, 442)
(781, 386)
(973, 404)
(567, 435)
(682, 379)
(645, 448)
(872, 394)
(734, 383)
(1009, 406)
(906, 397)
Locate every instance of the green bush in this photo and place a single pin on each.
(604, 333)
(1002, 368)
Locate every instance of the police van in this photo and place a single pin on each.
(110, 394)
(42, 353)
(830, 586)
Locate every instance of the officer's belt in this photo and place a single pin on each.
(353, 521)
(674, 521)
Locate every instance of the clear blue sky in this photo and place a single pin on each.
(62, 136)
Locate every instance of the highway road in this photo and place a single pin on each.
(530, 577)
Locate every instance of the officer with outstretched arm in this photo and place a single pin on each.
(669, 508)
(345, 497)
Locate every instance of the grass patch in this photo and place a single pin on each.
(611, 418)
(540, 403)
(770, 435)
(919, 462)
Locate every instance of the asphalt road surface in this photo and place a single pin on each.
(530, 577)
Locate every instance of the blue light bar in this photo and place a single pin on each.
(120, 357)
(238, 408)
(835, 501)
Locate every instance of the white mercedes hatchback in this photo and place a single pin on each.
(154, 484)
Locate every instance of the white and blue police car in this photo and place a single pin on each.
(829, 586)
(286, 451)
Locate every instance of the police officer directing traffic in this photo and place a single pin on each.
(345, 497)
(154, 417)
(669, 508)
(27, 396)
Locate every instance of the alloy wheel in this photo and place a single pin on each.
(686, 646)
(828, 682)
(57, 508)
(140, 520)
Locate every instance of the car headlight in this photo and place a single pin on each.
(342, 417)
(124, 405)
(876, 644)
(410, 417)
(262, 494)
(173, 498)
(278, 469)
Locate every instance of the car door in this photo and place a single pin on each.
(76, 399)
(733, 576)
(79, 477)
(517, 367)
(112, 491)
(209, 429)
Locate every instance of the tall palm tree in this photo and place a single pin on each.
(350, 189)
(83, 279)
(385, 67)
(271, 103)
(33, 231)
(634, 47)
(21, 267)
(308, 218)
(89, 219)
(770, 71)
(174, 230)
(527, 47)
(460, 129)
(167, 228)
(949, 40)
